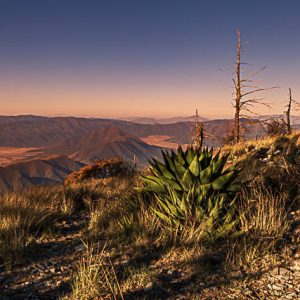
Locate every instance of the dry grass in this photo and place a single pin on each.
(241, 150)
(95, 277)
(123, 218)
(26, 216)
(264, 223)
(264, 212)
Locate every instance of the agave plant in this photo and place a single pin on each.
(193, 186)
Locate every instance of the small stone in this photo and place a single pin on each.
(235, 274)
(274, 272)
(79, 248)
(148, 287)
(52, 270)
(291, 296)
(277, 287)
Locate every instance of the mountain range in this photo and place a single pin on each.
(36, 149)
(145, 120)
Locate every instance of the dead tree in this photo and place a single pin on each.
(244, 89)
(197, 135)
(288, 113)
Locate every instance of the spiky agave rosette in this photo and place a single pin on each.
(194, 187)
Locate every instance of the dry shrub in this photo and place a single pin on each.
(275, 127)
(101, 169)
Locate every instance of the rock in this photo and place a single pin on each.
(52, 270)
(79, 248)
(284, 271)
(295, 266)
(235, 274)
(148, 287)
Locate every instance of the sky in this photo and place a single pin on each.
(152, 58)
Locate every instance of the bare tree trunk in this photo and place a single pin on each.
(238, 92)
(288, 113)
(197, 136)
(245, 91)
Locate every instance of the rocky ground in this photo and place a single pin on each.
(50, 265)
(47, 272)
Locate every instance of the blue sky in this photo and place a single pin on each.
(150, 58)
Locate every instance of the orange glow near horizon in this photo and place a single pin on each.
(125, 99)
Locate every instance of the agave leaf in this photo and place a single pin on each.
(209, 155)
(219, 165)
(154, 169)
(224, 197)
(169, 207)
(194, 166)
(199, 199)
(183, 204)
(229, 216)
(169, 162)
(164, 171)
(162, 203)
(209, 205)
(231, 212)
(181, 157)
(180, 169)
(214, 213)
(233, 168)
(187, 180)
(202, 155)
(205, 175)
(153, 185)
(205, 188)
(216, 157)
(161, 216)
(221, 182)
(234, 187)
(224, 230)
(174, 184)
(174, 197)
(199, 213)
(203, 159)
(190, 155)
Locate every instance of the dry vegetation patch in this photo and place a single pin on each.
(128, 252)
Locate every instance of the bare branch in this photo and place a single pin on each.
(259, 90)
(255, 73)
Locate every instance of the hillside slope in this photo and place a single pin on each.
(105, 143)
(46, 170)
